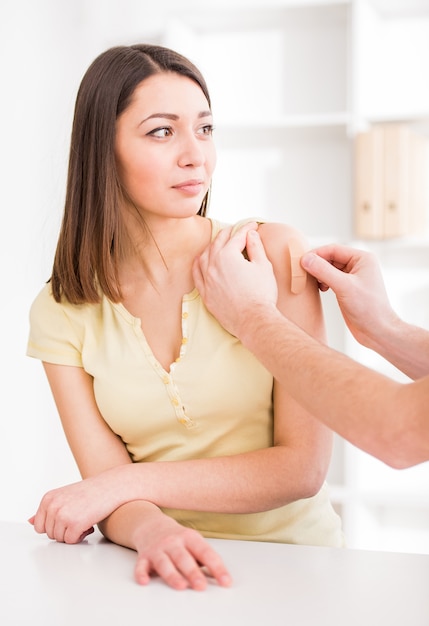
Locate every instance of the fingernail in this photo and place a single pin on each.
(307, 258)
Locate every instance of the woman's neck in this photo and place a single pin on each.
(164, 249)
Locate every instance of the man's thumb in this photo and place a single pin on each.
(321, 269)
(254, 247)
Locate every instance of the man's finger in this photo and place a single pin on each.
(322, 270)
(197, 275)
(337, 254)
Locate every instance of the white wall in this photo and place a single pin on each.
(40, 63)
(393, 60)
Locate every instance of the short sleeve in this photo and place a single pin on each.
(53, 336)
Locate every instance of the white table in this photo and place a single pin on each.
(51, 584)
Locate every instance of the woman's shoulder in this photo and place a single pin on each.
(284, 246)
(45, 306)
(44, 300)
(283, 243)
(57, 329)
(218, 225)
(274, 234)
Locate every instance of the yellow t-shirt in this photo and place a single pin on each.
(216, 400)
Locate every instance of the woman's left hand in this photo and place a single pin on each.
(68, 514)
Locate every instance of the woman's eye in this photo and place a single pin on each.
(163, 131)
(207, 129)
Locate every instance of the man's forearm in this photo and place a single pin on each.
(365, 407)
(405, 346)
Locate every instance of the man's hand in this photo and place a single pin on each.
(230, 285)
(356, 279)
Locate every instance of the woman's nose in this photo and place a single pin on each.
(191, 152)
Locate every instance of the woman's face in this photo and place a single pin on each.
(164, 147)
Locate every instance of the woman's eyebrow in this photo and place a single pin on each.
(173, 116)
(168, 116)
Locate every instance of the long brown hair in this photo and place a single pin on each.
(92, 232)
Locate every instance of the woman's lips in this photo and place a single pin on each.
(190, 187)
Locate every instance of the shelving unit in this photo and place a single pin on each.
(390, 167)
(292, 82)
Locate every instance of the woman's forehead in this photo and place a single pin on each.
(168, 87)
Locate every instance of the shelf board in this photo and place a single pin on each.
(320, 120)
(284, 4)
(242, 15)
(419, 120)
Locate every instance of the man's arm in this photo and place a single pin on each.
(386, 419)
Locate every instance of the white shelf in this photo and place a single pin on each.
(209, 15)
(323, 120)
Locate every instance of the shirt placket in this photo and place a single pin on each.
(168, 377)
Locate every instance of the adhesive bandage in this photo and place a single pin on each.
(298, 274)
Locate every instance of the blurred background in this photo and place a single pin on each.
(322, 121)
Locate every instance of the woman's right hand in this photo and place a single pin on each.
(179, 555)
(68, 514)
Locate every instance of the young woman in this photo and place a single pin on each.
(178, 431)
